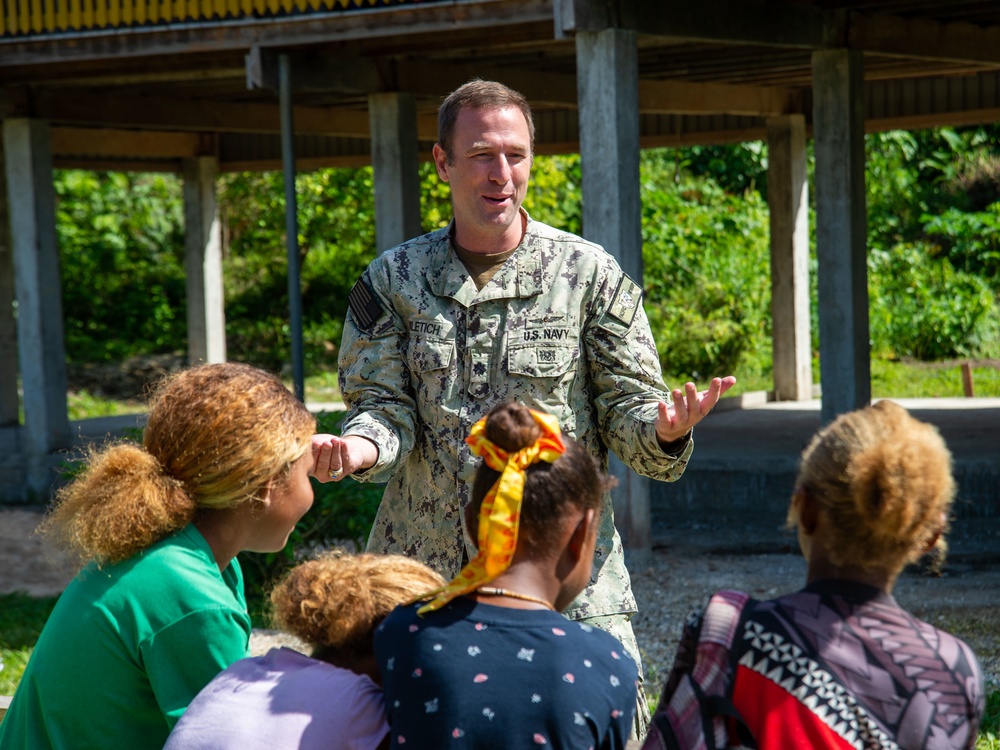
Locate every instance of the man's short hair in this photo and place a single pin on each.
(479, 94)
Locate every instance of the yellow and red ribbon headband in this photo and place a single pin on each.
(500, 511)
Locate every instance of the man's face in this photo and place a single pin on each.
(488, 173)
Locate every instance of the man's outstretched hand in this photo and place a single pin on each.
(689, 407)
(337, 457)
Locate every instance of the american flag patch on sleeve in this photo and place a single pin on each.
(364, 305)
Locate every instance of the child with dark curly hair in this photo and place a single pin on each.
(330, 700)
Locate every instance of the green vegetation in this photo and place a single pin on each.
(912, 379)
(706, 256)
(121, 246)
(21, 620)
(84, 405)
(989, 732)
(933, 257)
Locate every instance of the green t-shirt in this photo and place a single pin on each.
(127, 647)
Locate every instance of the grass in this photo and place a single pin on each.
(907, 379)
(989, 732)
(891, 379)
(322, 388)
(21, 620)
(83, 405)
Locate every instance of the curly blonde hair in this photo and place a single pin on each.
(215, 437)
(336, 600)
(884, 481)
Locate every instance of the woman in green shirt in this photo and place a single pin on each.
(158, 608)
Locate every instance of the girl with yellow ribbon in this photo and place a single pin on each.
(488, 659)
(500, 511)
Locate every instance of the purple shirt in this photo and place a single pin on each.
(283, 700)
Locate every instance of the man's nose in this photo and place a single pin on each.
(500, 173)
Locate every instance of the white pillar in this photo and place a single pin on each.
(206, 314)
(31, 198)
(841, 234)
(788, 200)
(395, 165)
(608, 94)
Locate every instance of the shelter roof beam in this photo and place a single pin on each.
(801, 26)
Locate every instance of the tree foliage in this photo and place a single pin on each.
(934, 259)
(705, 256)
(933, 255)
(121, 252)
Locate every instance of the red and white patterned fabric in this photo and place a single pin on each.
(841, 665)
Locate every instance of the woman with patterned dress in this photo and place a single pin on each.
(840, 664)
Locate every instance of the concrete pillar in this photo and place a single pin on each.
(206, 314)
(608, 95)
(395, 164)
(31, 198)
(788, 199)
(8, 318)
(838, 125)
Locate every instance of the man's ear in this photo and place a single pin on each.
(577, 546)
(440, 161)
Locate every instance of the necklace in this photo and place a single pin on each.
(494, 591)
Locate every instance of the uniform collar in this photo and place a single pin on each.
(520, 277)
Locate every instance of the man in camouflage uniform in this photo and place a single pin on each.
(499, 307)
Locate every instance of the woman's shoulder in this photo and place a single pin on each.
(177, 574)
(182, 556)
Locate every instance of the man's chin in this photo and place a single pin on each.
(502, 215)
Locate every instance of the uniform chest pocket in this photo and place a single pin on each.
(542, 360)
(424, 354)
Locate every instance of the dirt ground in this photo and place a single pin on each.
(27, 562)
(690, 560)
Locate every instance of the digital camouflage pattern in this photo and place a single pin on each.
(425, 354)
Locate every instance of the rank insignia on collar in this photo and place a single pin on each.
(626, 300)
(365, 306)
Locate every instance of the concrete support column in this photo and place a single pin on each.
(788, 199)
(31, 198)
(841, 234)
(395, 164)
(608, 94)
(206, 314)
(8, 318)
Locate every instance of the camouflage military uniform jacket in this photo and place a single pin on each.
(425, 355)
